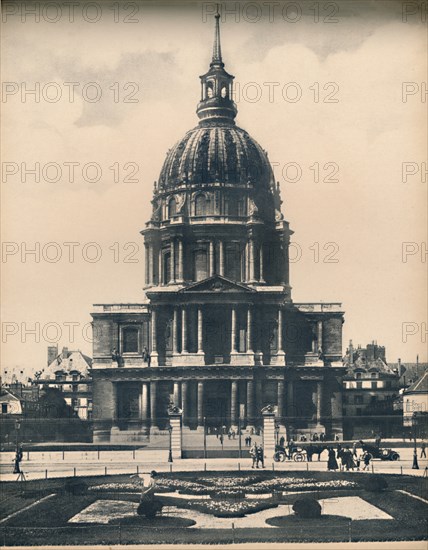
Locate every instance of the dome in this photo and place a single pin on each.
(216, 152)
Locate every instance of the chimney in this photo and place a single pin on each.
(64, 352)
(399, 366)
(52, 353)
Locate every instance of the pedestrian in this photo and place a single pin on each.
(282, 441)
(229, 434)
(16, 469)
(233, 434)
(309, 452)
(332, 462)
(349, 462)
(366, 459)
(260, 456)
(20, 453)
(253, 455)
(354, 448)
(221, 439)
(423, 447)
(378, 439)
(249, 440)
(322, 437)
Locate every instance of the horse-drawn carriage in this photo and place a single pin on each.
(377, 452)
(297, 453)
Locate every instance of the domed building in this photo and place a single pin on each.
(217, 333)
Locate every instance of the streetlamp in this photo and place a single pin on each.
(415, 465)
(170, 443)
(205, 437)
(17, 428)
(277, 428)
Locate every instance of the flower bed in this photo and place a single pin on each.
(231, 509)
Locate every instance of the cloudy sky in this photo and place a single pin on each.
(321, 92)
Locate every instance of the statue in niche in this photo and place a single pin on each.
(180, 201)
(279, 216)
(157, 207)
(252, 207)
(314, 338)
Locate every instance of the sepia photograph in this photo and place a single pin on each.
(214, 249)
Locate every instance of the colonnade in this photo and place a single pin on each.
(187, 392)
(181, 326)
(253, 270)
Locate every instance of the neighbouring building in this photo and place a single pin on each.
(370, 388)
(70, 372)
(10, 404)
(415, 400)
(216, 331)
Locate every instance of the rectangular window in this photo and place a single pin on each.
(130, 340)
(359, 385)
(4, 408)
(374, 385)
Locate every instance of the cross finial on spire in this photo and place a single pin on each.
(217, 46)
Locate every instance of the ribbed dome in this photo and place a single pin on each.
(216, 152)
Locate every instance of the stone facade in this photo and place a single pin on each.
(216, 333)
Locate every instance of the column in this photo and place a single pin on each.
(144, 401)
(280, 353)
(175, 423)
(180, 261)
(247, 262)
(233, 332)
(234, 404)
(152, 264)
(221, 259)
(175, 332)
(211, 258)
(153, 405)
(200, 404)
(177, 394)
(249, 330)
(160, 266)
(146, 247)
(319, 402)
(280, 330)
(115, 406)
(319, 334)
(184, 386)
(280, 401)
(251, 262)
(200, 331)
(261, 277)
(172, 260)
(154, 352)
(184, 330)
(290, 399)
(250, 404)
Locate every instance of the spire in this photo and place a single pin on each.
(216, 87)
(217, 60)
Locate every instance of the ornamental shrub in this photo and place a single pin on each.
(149, 507)
(307, 507)
(75, 487)
(376, 484)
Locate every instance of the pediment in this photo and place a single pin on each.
(217, 283)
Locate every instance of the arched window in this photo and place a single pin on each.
(210, 90)
(200, 264)
(224, 91)
(201, 205)
(130, 340)
(172, 208)
(233, 261)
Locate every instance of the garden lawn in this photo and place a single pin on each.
(47, 522)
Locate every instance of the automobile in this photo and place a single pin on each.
(377, 452)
